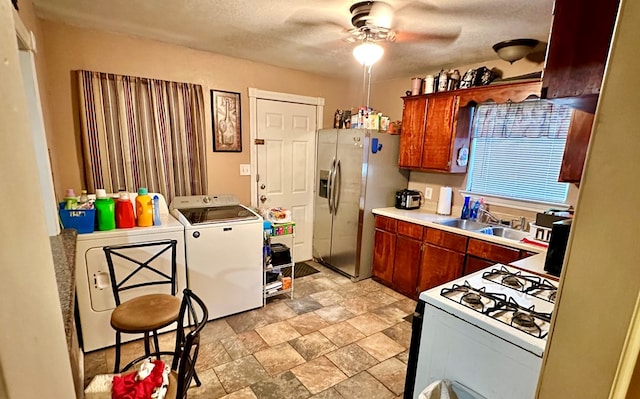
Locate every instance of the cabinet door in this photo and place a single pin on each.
(577, 50)
(473, 264)
(438, 266)
(492, 252)
(384, 247)
(407, 262)
(439, 133)
(575, 150)
(412, 137)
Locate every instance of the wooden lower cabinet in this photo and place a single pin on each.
(384, 249)
(438, 266)
(409, 264)
(473, 264)
(407, 261)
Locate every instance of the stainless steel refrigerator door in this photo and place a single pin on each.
(326, 153)
(349, 181)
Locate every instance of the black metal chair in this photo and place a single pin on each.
(132, 269)
(192, 318)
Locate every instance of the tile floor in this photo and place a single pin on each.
(335, 339)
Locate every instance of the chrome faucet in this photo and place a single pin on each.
(484, 216)
(522, 225)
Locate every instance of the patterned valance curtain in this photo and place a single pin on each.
(139, 132)
(526, 119)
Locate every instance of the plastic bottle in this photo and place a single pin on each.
(144, 208)
(465, 208)
(105, 210)
(156, 211)
(125, 218)
(473, 215)
(83, 200)
(70, 199)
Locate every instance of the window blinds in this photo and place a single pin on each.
(517, 151)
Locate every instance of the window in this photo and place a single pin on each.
(517, 150)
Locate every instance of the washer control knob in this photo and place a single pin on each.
(196, 234)
(206, 199)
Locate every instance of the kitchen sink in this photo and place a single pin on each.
(498, 231)
(463, 224)
(505, 232)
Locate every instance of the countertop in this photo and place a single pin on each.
(63, 250)
(428, 219)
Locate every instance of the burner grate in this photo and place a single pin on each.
(528, 284)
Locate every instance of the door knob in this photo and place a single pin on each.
(262, 186)
(263, 198)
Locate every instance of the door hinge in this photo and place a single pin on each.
(258, 141)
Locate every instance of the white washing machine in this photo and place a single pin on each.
(223, 245)
(93, 285)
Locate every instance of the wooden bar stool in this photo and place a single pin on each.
(136, 272)
(192, 318)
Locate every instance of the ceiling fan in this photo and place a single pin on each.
(375, 21)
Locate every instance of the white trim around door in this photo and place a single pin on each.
(254, 95)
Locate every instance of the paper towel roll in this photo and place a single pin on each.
(444, 201)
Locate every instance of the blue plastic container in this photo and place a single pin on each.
(82, 220)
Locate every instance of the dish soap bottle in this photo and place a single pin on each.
(473, 215)
(105, 210)
(156, 211)
(144, 208)
(465, 208)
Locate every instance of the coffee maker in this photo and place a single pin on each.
(557, 246)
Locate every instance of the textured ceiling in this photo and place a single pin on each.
(310, 35)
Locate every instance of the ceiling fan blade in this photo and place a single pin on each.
(448, 36)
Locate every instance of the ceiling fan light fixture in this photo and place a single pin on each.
(368, 53)
(513, 50)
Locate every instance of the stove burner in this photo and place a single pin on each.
(552, 296)
(472, 298)
(523, 319)
(512, 281)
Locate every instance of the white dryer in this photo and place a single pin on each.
(223, 245)
(93, 286)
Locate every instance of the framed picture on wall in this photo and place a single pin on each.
(225, 116)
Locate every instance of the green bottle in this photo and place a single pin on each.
(105, 210)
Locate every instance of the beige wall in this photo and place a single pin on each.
(386, 96)
(34, 361)
(70, 48)
(589, 330)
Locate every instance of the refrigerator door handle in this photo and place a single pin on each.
(335, 188)
(330, 178)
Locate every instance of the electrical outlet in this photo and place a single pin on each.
(428, 192)
(245, 169)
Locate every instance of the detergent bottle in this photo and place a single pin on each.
(125, 218)
(144, 208)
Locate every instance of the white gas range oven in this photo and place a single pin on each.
(486, 331)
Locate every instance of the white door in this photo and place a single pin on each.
(285, 152)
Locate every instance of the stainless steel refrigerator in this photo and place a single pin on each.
(356, 171)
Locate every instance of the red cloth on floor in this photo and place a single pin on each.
(126, 386)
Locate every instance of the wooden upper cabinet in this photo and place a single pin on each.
(441, 122)
(435, 134)
(577, 51)
(412, 136)
(575, 150)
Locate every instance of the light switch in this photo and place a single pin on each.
(245, 169)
